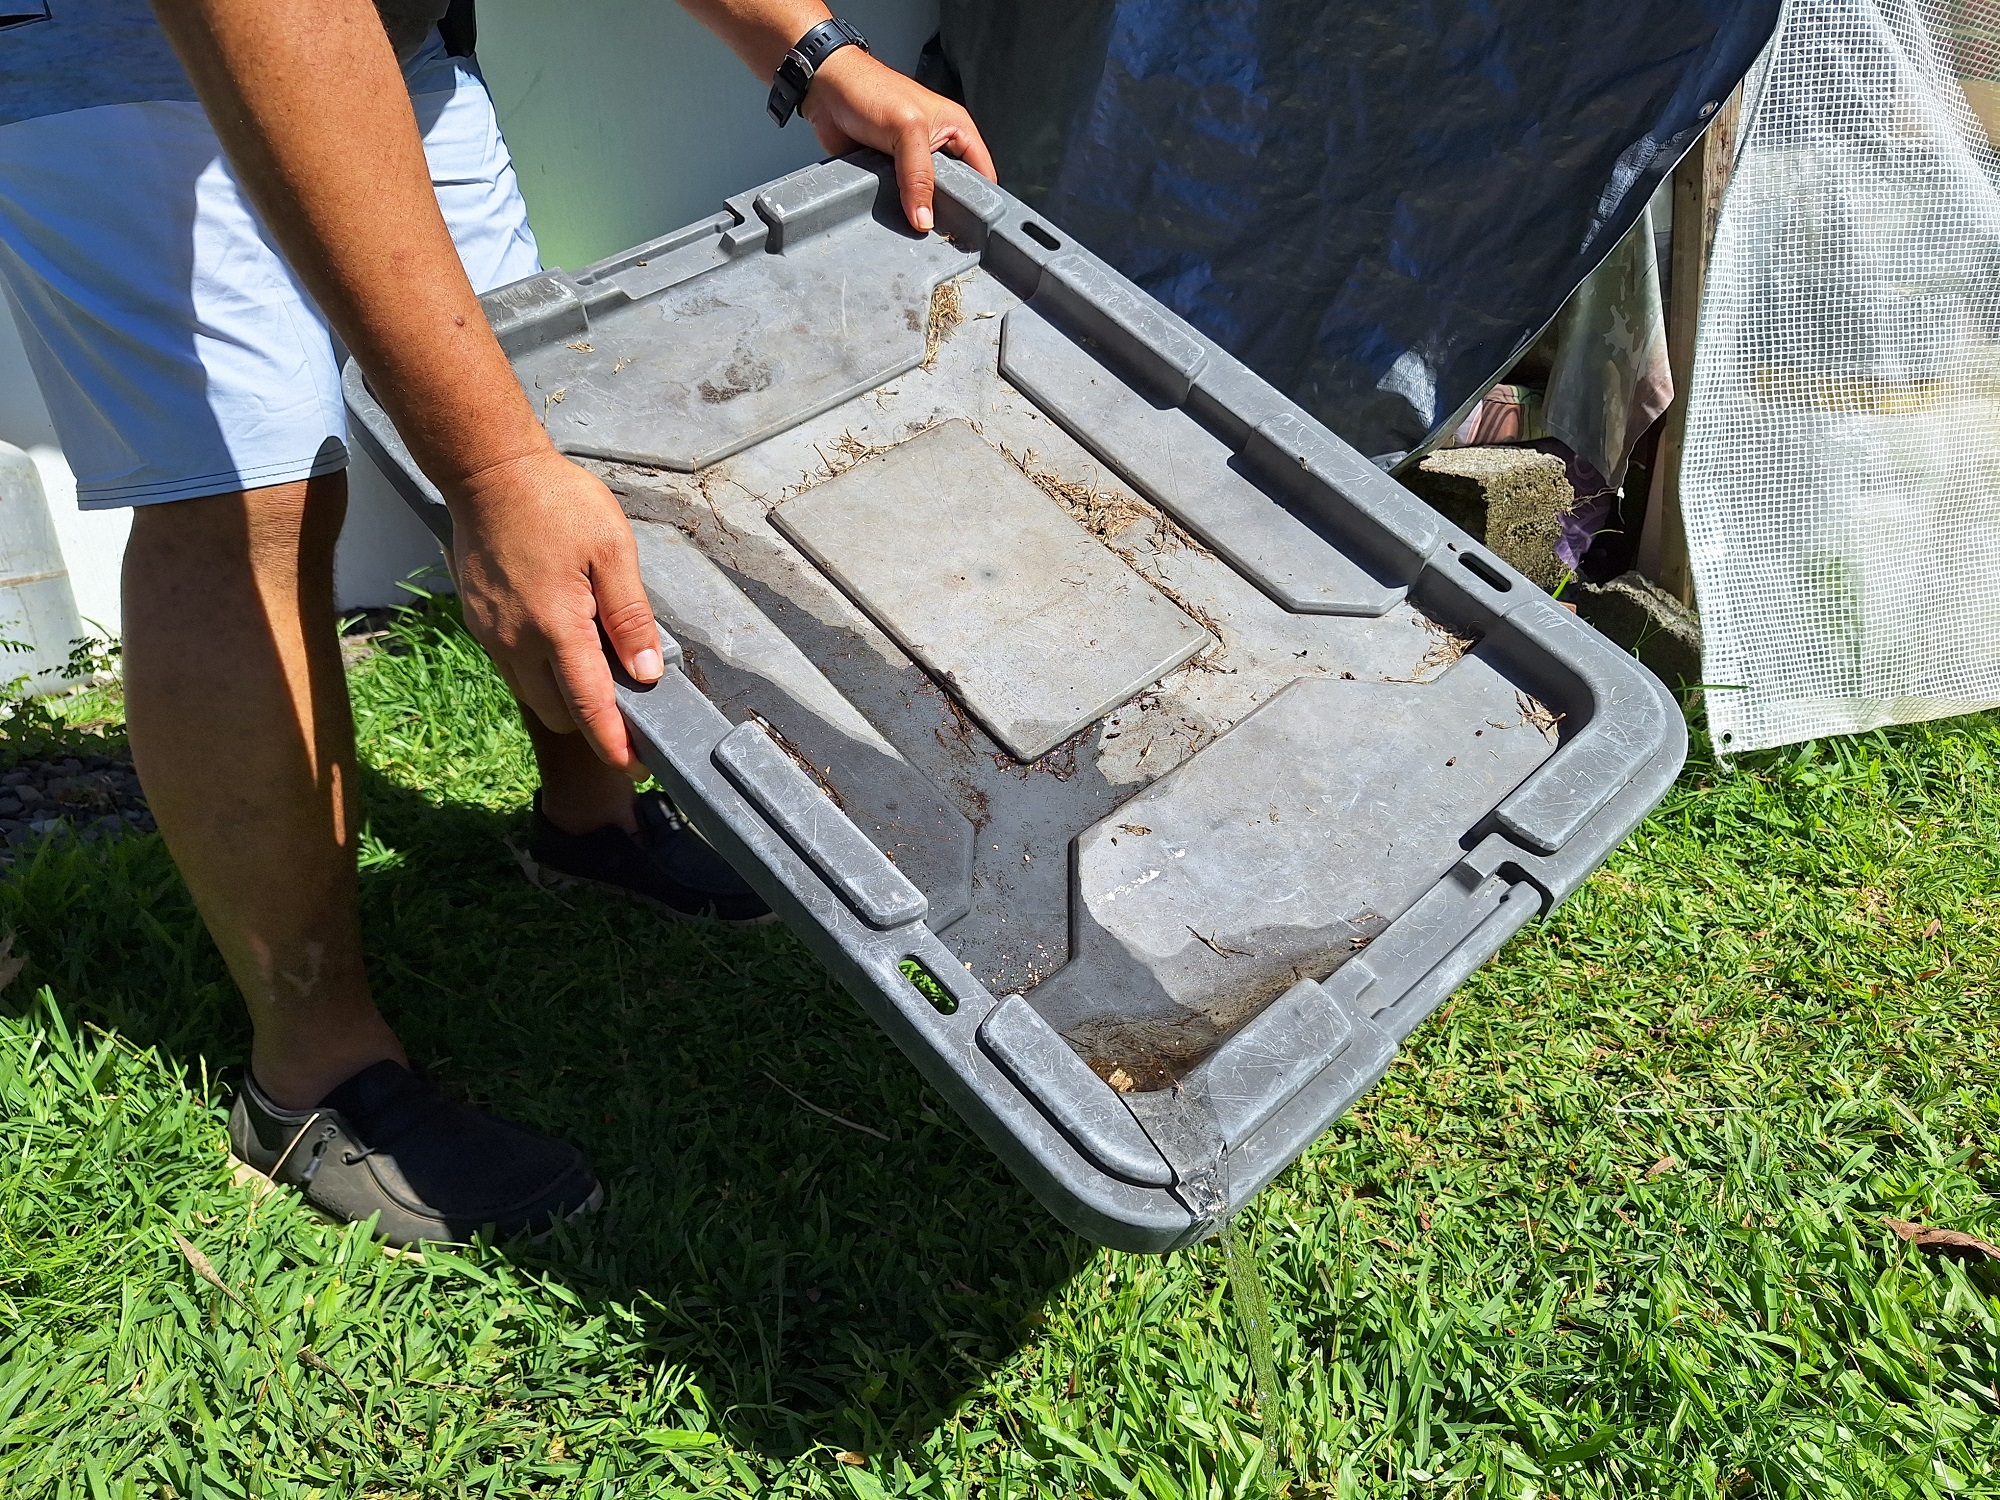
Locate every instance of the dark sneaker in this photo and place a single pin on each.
(386, 1142)
(666, 864)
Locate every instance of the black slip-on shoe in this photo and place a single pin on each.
(666, 864)
(386, 1142)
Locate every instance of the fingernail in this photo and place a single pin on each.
(924, 220)
(646, 666)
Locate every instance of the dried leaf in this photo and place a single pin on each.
(310, 1358)
(853, 1459)
(242, 1174)
(1934, 929)
(947, 312)
(1951, 1242)
(205, 1268)
(1661, 1167)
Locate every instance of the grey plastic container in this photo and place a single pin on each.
(1024, 633)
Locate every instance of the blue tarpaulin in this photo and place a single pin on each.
(1375, 205)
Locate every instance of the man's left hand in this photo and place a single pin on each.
(856, 101)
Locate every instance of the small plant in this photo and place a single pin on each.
(38, 709)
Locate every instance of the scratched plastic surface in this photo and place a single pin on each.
(1023, 633)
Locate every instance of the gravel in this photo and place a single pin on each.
(91, 797)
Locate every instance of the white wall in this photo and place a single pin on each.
(626, 120)
(92, 544)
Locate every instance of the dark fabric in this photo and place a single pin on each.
(459, 28)
(1375, 205)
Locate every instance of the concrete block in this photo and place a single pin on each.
(1646, 620)
(1513, 499)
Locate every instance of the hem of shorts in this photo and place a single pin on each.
(122, 497)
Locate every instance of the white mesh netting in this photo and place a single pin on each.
(1841, 483)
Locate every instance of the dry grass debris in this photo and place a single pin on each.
(947, 312)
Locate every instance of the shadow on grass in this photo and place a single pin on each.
(825, 1284)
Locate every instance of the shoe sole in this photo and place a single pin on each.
(243, 1174)
(541, 875)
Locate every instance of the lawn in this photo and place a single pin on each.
(1612, 1225)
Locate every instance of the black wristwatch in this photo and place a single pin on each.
(795, 73)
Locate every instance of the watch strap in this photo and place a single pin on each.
(795, 73)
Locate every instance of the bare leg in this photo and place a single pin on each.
(579, 792)
(243, 738)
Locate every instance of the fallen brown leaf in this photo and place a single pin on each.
(1934, 929)
(310, 1358)
(205, 1268)
(1952, 1242)
(1659, 1168)
(853, 1460)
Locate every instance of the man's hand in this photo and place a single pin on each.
(544, 559)
(856, 101)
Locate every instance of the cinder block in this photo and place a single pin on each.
(1513, 499)
(1646, 620)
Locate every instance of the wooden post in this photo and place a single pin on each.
(1698, 183)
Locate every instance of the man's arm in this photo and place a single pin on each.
(309, 102)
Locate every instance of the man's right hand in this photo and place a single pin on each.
(544, 557)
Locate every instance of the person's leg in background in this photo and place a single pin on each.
(480, 198)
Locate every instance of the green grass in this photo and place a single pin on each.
(1610, 1227)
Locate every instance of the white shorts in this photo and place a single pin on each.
(177, 354)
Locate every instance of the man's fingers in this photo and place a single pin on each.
(537, 690)
(627, 617)
(964, 141)
(585, 681)
(915, 177)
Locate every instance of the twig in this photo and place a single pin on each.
(1210, 942)
(837, 1119)
(310, 1358)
